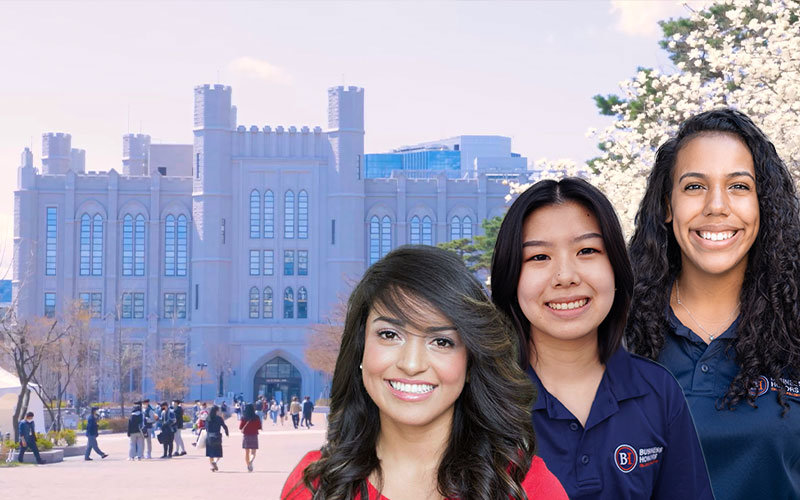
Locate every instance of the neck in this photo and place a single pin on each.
(711, 292)
(556, 359)
(420, 445)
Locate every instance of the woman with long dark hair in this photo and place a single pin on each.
(716, 255)
(250, 424)
(609, 424)
(424, 403)
(214, 426)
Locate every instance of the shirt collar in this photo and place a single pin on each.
(682, 330)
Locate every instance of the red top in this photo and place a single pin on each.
(540, 483)
(250, 427)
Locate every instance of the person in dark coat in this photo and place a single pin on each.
(27, 438)
(136, 432)
(166, 426)
(92, 431)
(180, 449)
(308, 409)
(214, 426)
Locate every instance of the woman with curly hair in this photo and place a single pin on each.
(609, 424)
(424, 404)
(716, 255)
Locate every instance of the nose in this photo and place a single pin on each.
(413, 356)
(565, 274)
(717, 202)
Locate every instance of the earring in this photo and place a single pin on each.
(361, 366)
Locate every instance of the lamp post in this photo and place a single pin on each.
(202, 367)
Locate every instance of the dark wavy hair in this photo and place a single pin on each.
(507, 258)
(768, 335)
(249, 412)
(491, 443)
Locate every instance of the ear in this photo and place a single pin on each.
(669, 211)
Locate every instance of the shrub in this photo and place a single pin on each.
(118, 424)
(186, 418)
(68, 435)
(43, 443)
(105, 424)
(10, 445)
(82, 425)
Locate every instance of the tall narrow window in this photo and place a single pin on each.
(197, 165)
(288, 215)
(288, 303)
(255, 214)
(374, 239)
(50, 304)
(138, 246)
(85, 243)
(302, 262)
(85, 300)
(427, 231)
(169, 306)
(386, 235)
(180, 305)
(269, 262)
(415, 231)
(51, 241)
(466, 227)
(138, 305)
(254, 298)
(288, 262)
(267, 311)
(255, 264)
(302, 303)
(302, 214)
(169, 245)
(269, 214)
(183, 246)
(455, 229)
(96, 305)
(127, 305)
(97, 245)
(127, 245)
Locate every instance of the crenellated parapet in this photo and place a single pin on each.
(279, 142)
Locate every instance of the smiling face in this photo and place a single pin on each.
(714, 204)
(566, 285)
(413, 373)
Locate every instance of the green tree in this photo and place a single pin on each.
(477, 255)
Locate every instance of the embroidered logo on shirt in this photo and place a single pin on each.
(762, 386)
(765, 385)
(649, 456)
(625, 457)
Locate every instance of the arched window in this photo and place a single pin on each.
(455, 229)
(86, 240)
(269, 214)
(138, 246)
(415, 231)
(176, 245)
(255, 214)
(254, 298)
(267, 303)
(466, 227)
(288, 215)
(302, 213)
(288, 303)
(97, 245)
(302, 303)
(169, 245)
(183, 246)
(386, 235)
(427, 231)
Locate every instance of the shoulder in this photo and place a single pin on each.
(659, 382)
(294, 489)
(541, 483)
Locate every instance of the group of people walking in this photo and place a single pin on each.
(278, 410)
(665, 368)
(165, 422)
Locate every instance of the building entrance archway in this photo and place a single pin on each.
(278, 379)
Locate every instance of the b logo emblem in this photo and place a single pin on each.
(625, 458)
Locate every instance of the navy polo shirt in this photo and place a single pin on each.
(752, 453)
(639, 440)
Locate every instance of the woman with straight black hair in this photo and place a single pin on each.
(609, 424)
(716, 255)
(424, 404)
(250, 424)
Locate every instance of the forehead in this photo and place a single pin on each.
(410, 310)
(713, 154)
(566, 220)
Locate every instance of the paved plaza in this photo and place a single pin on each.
(188, 476)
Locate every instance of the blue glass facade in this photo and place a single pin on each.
(381, 165)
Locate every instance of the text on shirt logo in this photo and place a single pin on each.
(765, 385)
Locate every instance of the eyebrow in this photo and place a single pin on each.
(542, 243)
(731, 175)
(398, 322)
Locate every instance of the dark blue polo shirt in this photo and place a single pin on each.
(639, 441)
(752, 453)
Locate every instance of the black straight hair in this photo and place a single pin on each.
(249, 412)
(507, 258)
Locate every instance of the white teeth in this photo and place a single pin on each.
(562, 306)
(724, 235)
(411, 388)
